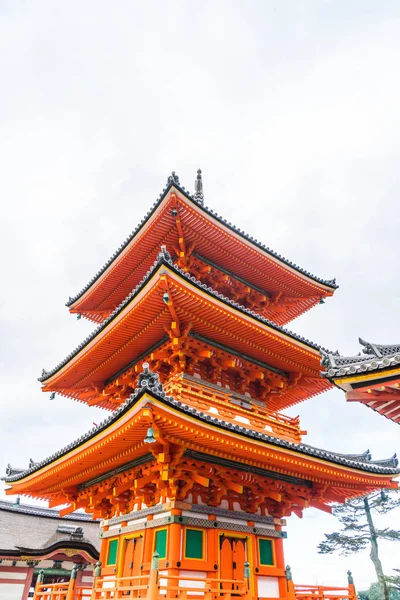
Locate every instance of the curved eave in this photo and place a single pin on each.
(81, 547)
(293, 348)
(127, 259)
(378, 390)
(194, 429)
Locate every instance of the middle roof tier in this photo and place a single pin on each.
(183, 326)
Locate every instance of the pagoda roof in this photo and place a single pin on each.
(216, 239)
(126, 427)
(139, 323)
(372, 377)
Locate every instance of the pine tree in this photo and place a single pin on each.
(359, 531)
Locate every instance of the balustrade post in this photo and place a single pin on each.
(291, 595)
(96, 575)
(246, 572)
(352, 587)
(72, 583)
(39, 582)
(152, 592)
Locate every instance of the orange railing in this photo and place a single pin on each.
(105, 588)
(157, 586)
(169, 586)
(188, 389)
(82, 593)
(53, 591)
(322, 592)
(69, 590)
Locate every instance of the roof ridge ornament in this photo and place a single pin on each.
(10, 471)
(198, 188)
(173, 178)
(393, 461)
(150, 380)
(163, 254)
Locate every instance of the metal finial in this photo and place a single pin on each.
(350, 578)
(198, 188)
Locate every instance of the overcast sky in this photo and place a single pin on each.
(290, 108)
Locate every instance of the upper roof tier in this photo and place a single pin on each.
(167, 306)
(214, 250)
(372, 377)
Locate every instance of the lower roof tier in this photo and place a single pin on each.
(181, 325)
(154, 448)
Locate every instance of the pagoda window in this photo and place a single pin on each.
(112, 552)
(266, 552)
(194, 544)
(160, 543)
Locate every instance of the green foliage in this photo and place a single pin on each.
(355, 534)
(374, 592)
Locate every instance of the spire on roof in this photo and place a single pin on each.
(173, 178)
(198, 188)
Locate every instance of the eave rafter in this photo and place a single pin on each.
(270, 389)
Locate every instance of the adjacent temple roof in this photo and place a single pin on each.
(149, 384)
(372, 377)
(373, 357)
(34, 531)
(214, 236)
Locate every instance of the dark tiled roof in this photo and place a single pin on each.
(173, 181)
(40, 511)
(32, 530)
(150, 383)
(164, 258)
(372, 358)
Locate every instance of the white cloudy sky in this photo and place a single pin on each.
(291, 108)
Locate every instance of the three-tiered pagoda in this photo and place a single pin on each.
(196, 461)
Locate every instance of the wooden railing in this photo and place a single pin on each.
(322, 592)
(158, 586)
(187, 389)
(53, 591)
(209, 588)
(121, 587)
(62, 591)
(319, 592)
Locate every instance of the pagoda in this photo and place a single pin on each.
(371, 378)
(196, 467)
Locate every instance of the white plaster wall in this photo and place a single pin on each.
(268, 587)
(11, 591)
(13, 575)
(135, 521)
(196, 515)
(183, 583)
